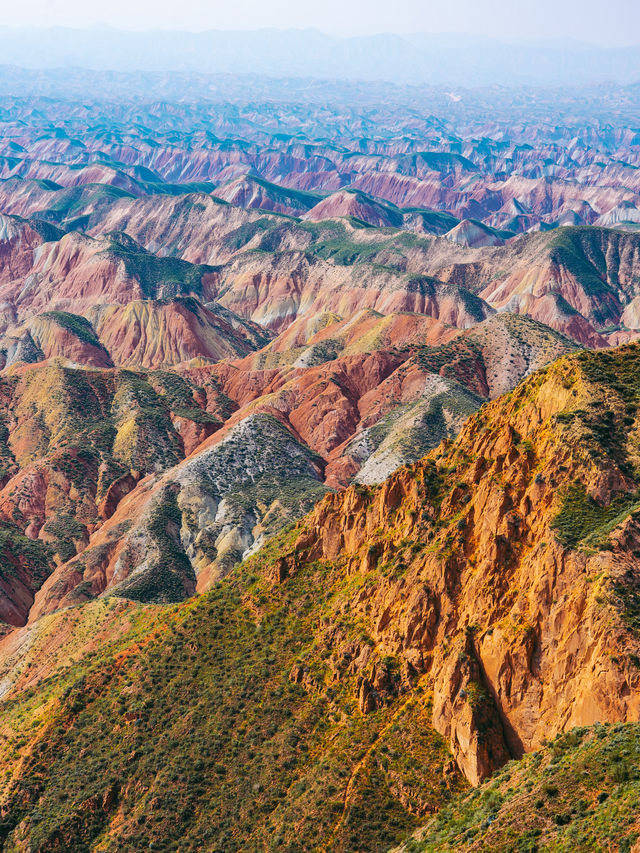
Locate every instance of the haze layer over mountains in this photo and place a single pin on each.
(421, 58)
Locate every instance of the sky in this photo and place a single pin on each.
(607, 22)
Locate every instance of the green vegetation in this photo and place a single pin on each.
(198, 416)
(167, 575)
(410, 431)
(47, 231)
(626, 598)
(582, 520)
(78, 326)
(582, 792)
(427, 286)
(242, 235)
(143, 418)
(160, 277)
(205, 187)
(580, 251)
(436, 221)
(442, 161)
(298, 198)
(64, 530)
(235, 723)
(616, 370)
(70, 201)
(91, 429)
(460, 359)
(333, 242)
(260, 479)
(22, 557)
(346, 252)
(610, 421)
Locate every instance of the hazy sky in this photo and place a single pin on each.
(612, 22)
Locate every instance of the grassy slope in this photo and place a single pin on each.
(76, 325)
(582, 792)
(159, 276)
(196, 738)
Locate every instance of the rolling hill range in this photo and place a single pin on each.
(544, 158)
(319, 465)
(97, 459)
(580, 280)
(466, 603)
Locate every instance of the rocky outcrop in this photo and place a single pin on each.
(484, 583)
(155, 333)
(465, 712)
(358, 206)
(473, 234)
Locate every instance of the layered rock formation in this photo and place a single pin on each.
(92, 456)
(579, 281)
(273, 271)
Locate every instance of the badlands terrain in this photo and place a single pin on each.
(319, 466)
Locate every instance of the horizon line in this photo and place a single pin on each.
(105, 26)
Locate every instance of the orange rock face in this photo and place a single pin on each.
(516, 628)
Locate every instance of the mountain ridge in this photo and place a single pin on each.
(445, 59)
(350, 674)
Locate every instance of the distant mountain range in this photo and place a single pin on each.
(417, 58)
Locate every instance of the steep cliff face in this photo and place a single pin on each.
(184, 664)
(506, 564)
